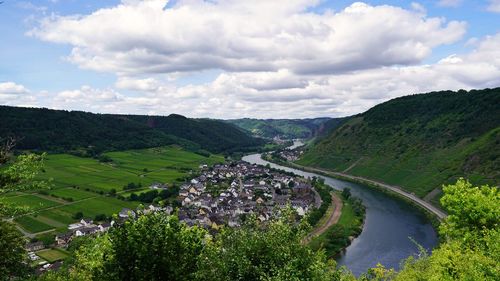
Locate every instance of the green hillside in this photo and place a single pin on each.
(286, 128)
(418, 142)
(62, 131)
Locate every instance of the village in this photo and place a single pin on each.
(227, 193)
(222, 195)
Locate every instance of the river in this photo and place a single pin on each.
(389, 225)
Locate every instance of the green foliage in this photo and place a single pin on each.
(418, 142)
(346, 193)
(315, 215)
(337, 237)
(78, 215)
(472, 210)
(471, 250)
(20, 176)
(255, 252)
(12, 253)
(88, 134)
(287, 128)
(159, 247)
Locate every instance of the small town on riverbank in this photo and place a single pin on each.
(220, 195)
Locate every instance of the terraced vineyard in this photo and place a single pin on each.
(86, 185)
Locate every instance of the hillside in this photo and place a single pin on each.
(59, 130)
(418, 142)
(286, 128)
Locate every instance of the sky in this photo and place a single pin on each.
(232, 58)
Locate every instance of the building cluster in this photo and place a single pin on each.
(290, 155)
(221, 195)
(226, 193)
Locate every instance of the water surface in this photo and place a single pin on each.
(389, 224)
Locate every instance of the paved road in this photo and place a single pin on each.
(333, 219)
(397, 189)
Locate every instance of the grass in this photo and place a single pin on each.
(81, 184)
(75, 194)
(30, 224)
(337, 237)
(52, 255)
(145, 166)
(32, 201)
(96, 206)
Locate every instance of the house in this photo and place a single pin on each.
(64, 239)
(35, 246)
(104, 227)
(158, 185)
(86, 231)
(126, 213)
(74, 226)
(87, 222)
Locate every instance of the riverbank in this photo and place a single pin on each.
(435, 214)
(388, 223)
(335, 237)
(330, 218)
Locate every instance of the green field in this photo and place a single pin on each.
(337, 236)
(33, 201)
(52, 255)
(31, 224)
(81, 184)
(145, 166)
(73, 193)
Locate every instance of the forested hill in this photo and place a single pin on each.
(286, 128)
(58, 130)
(419, 141)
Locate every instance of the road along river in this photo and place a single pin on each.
(389, 225)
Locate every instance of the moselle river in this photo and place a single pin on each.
(389, 228)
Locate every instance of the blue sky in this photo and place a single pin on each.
(220, 77)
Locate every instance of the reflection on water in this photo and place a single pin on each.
(389, 225)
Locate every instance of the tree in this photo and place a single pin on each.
(471, 249)
(264, 252)
(78, 215)
(346, 193)
(153, 247)
(20, 176)
(12, 252)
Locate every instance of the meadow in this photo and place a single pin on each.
(52, 255)
(85, 185)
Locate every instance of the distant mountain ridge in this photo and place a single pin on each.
(418, 141)
(287, 128)
(59, 130)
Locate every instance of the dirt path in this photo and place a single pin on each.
(432, 194)
(352, 166)
(333, 219)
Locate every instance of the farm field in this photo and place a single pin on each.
(83, 184)
(33, 201)
(52, 255)
(73, 193)
(145, 166)
(31, 224)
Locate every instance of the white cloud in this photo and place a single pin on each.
(449, 3)
(15, 94)
(284, 94)
(273, 59)
(140, 37)
(494, 6)
(11, 88)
